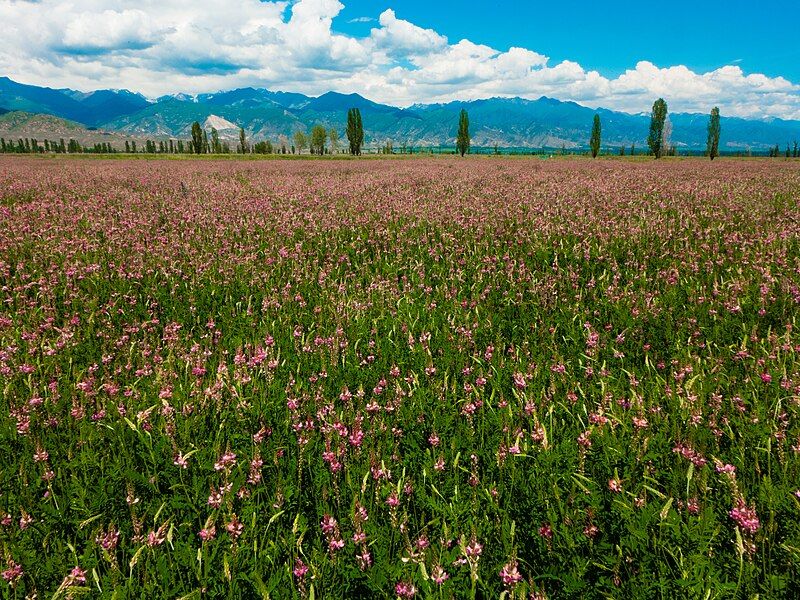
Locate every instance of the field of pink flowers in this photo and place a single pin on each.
(428, 378)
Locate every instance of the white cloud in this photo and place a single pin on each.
(401, 37)
(166, 46)
(126, 29)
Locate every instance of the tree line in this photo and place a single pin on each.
(34, 146)
(658, 138)
(326, 141)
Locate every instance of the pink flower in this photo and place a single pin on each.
(235, 527)
(473, 549)
(510, 575)
(439, 575)
(745, 516)
(181, 461)
(215, 498)
(545, 531)
(405, 589)
(156, 538)
(591, 531)
(225, 461)
(328, 524)
(359, 537)
(335, 544)
(108, 540)
(300, 569)
(364, 560)
(615, 485)
(13, 573)
(207, 533)
(519, 381)
(76, 577)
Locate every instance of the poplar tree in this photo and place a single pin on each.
(656, 137)
(594, 142)
(355, 131)
(242, 141)
(197, 138)
(360, 130)
(462, 141)
(712, 145)
(216, 147)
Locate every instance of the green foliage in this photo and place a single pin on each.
(216, 146)
(354, 131)
(333, 136)
(463, 139)
(300, 141)
(581, 398)
(197, 138)
(655, 139)
(712, 146)
(594, 142)
(318, 136)
(243, 146)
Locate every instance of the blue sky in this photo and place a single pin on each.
(611, 36)
(619, 55)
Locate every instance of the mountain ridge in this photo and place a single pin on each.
(266, 114)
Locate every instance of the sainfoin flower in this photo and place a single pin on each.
(207, 533)
(745, 516)
(226, 461)
(510, 574)
(439, 575)
(300, 568)
(13, 573)
(76, 577)
(473, 549)
(405, 589)
(234, 527)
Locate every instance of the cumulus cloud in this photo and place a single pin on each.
(126, 29)
(167, 46)
(403, 38)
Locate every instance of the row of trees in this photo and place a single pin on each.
(33, 146)
(661, 129)
(325, 141)
(658, 139)
(790, 152)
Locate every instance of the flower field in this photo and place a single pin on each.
(429, 378)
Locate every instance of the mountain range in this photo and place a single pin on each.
(265, 114)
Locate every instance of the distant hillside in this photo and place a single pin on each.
(265, 114)
(19, 124)
(91, 109)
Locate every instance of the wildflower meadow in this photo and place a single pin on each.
(431, 378)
